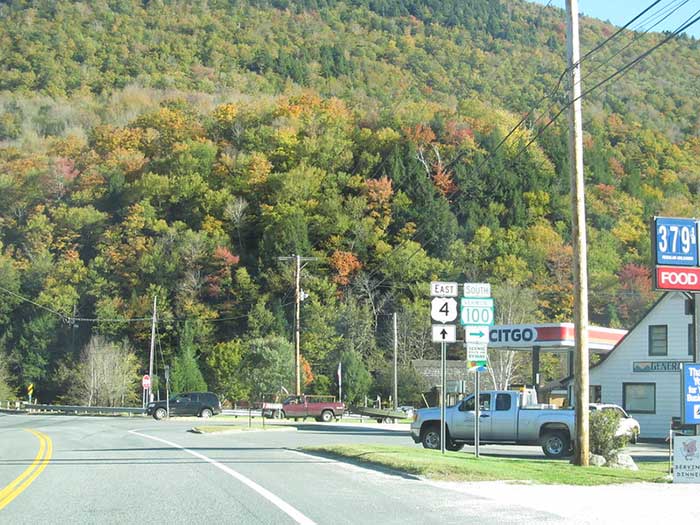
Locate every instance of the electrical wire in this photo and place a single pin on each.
(686, 24)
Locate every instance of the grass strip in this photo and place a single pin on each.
(460, 466)
(217, 429)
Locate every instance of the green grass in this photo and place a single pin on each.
(459, 466)
(216, 429)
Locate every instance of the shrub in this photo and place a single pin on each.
(603, 425)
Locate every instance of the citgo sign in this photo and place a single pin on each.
(677, 278)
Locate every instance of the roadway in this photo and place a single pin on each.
(118, 470)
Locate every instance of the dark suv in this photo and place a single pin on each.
(202, 404)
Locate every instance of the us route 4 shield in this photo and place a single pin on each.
(443, 309)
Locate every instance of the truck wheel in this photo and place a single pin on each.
(283, 415)
(555, 445)
(431, 437)
(388, 420)
(453, 446)
(159, 414)
(326, 416)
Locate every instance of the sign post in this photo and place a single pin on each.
(443, 397)
(167, 390)
(476, 316)
(443, 309)
(30, 391)
(677, 267)
(477, 415)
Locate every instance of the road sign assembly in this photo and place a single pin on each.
(476, 334)
(441, 289)
(477, 290)
(476, 311)
(476, 351)
(443, 309)
(146, 381)
(444, 333)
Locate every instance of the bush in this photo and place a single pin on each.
(603, 425)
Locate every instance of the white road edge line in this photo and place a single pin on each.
(275, 500)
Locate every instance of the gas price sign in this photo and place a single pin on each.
(676, 241)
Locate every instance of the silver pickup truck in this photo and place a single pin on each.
(506, 416)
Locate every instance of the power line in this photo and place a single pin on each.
(689, 22)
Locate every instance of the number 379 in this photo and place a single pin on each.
(674, 239)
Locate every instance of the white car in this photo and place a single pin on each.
(628, 425)
(408, 410)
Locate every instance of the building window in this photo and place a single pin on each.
(639, 397)
(691, 339)
(658, 339)
(594, 394)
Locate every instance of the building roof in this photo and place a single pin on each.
(630, 331)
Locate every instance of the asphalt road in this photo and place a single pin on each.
(120, 470)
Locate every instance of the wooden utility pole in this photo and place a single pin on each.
(297, 314)
(153, 345)
(396, 364)
(578, 236)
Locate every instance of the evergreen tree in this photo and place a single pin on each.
(186, 375)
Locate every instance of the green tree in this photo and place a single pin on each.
(268, 365)
(224, 361)
(6, 391)
(356, 379)
(186, 375)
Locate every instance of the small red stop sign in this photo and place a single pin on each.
(146, 381)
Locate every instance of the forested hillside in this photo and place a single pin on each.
(177, 150)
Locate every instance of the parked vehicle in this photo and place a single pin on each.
(382, 415)
(506, 416)
(321, 408)
(628, 425)
(201, 404)
(408, 410)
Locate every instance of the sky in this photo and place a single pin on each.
(619, 12)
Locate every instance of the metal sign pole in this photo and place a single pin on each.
(696, 339)
(167, 391)
(476, 414)
(443, 373)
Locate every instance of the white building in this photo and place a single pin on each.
(642, 373)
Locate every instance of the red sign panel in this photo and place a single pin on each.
(678, 278)
(146, 381)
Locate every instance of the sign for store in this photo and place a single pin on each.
(677, 278)
(686, 459)
(676, 262)
(676, 241)
(690, 394)
(656, 366)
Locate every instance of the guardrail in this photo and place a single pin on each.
(75, 409)
(242, 412)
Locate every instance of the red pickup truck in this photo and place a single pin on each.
(322, 408)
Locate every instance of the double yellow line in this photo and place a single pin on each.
(26, 478)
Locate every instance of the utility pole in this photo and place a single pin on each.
(396, 363)
(297, 311)
(153, 345)
(578, 227)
